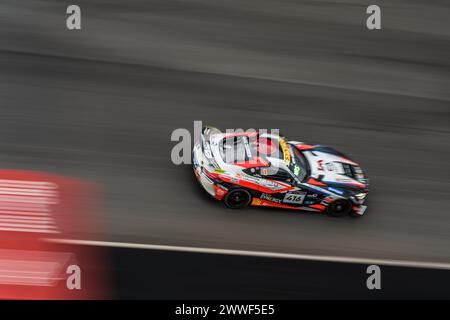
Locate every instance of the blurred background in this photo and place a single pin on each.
(100, 104)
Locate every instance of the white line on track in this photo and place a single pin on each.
(262, 254)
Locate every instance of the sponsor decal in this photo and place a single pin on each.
(319, 165)
(217, 170)
(271, 184)
(285, 150)
(251, 179)
(268, 197)
(256, 202)
(340, 192)
(343, 180)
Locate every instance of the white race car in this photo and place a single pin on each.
(266, 170)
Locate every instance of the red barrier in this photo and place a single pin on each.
(36, 209)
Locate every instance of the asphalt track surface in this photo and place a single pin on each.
(100, 104)
(142, 274)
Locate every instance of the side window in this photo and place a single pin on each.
(272, 173)
(253, 171)
(276, 174)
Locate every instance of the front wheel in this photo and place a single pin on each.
(237, 199)
(339, 208)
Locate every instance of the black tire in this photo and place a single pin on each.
(339, 208)
(237, 199)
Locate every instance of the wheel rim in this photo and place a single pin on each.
(238, 198)
(339, 207)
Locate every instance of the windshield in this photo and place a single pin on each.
(298, 164)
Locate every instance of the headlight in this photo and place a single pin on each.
(361, 196)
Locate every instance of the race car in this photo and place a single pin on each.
(264, 169)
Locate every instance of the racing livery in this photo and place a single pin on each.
(264, 169)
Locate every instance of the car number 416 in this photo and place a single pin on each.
(294, 198)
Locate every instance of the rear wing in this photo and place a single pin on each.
(208, 131)
(205, 139)
(205, 142)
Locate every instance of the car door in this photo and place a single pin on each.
(294, 195)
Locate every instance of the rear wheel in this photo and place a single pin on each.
(339, 208)
(237, 199)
